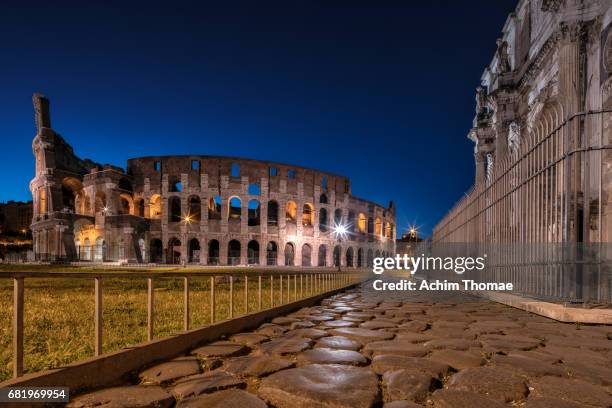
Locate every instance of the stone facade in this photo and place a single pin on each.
(541, 128)
(197, 209)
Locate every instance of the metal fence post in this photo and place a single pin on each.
(259, 292)
(18, 302)
(150, 308)
(98, 322)
(246, 294)
(212, 299)
(231, 297)
(186, 303)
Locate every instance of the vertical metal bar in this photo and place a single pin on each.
(259, 292)
(212, 299)
(98, 316)
(246, 294)
(18, 301)
(186, 303)
(301, 286)
(150, 308)
(294, 287)
(231, 297)
(281, 289)
(271, 291)
(288, 288)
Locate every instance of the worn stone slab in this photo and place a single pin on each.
(331, 356)
(321, 385)
(249, 339)
(224, 399)
(320, 317)
(302, 324)
(453, 344)
(129, 396)
(407, 384)
(458, 359)
(363, 336)
(526, 366)
(338, 342)
(378, 324)
(255, 366)
(397, 347)
(402, 404)
(413, 337)
(384, 363)
(283, 345)
(284, 320)
(221, 348)
(271, 330)
(338, 323)
(307, 333)
(463, 399)
(170, 370)
(548, 402)
(205, 383)
(574, 390)
(495, 383)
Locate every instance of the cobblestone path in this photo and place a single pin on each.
(363, 348)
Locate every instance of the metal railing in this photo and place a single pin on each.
(545, 206)
(285, 286)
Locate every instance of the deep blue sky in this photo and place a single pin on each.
(382, 92)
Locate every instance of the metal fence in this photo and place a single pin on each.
(283, 287)
(543, 213)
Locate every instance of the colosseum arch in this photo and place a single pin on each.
(338, 216)
(193, 251)
(289, 254)
(100, 249)
(349, 257)
(350, 222)
(272, 213)
(234, 211)
(253, 252)
(214, 208)
(337, 255)
(370, 225)
(378, 227)
(291, 212)
(370, 258)
(174, 251)
(360, 257)
(272, 253)
(388, 230)
(139, 207)
(308, 215)
(126, 204)
(322, 256)
(86, 250)
(174, 209)
(254, 213)
(323, 198)
(306, 255)
(213, 252)
(155, 207)
(71, 187)
(323, 220)
(195, 209)
(233, 252)
(362, 223)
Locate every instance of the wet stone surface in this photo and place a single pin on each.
(363, 348)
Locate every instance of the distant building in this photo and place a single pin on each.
(407, 243)
(15, 217)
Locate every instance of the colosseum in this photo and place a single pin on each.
(204, 210)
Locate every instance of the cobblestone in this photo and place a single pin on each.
(428, 349)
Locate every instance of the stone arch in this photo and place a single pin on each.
(308, 215)
(370, 259)
(174, 209)
(100, 249)
(338, 216)
(360, 258)
(323, 220)
(306, 255)
(254, 213)
(291, 212)
(213, 252)
(234, 211)
(233, 252)
(193, 251)
(87, 250)
(378, 227)
(272, 213)
(322, 256)
(362, 223)
(349, 257)
(155, 208)
(272, 253)
(253, 252)
(214, 208)
(174, 251)
(139, 207)
(254, 189)
(125, 184)
(126, 204)
(350, 221)
(370, 225)
(195, 209)
(70, 188)
(337, 255)
(323, 198)
(289, 254)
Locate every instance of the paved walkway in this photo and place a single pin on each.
(364, 348)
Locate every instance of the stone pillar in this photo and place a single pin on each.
(480, 159)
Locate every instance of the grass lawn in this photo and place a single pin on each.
(59, 312)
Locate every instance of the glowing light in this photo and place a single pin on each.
(188, 219)
(340, 230)
(105, 209)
